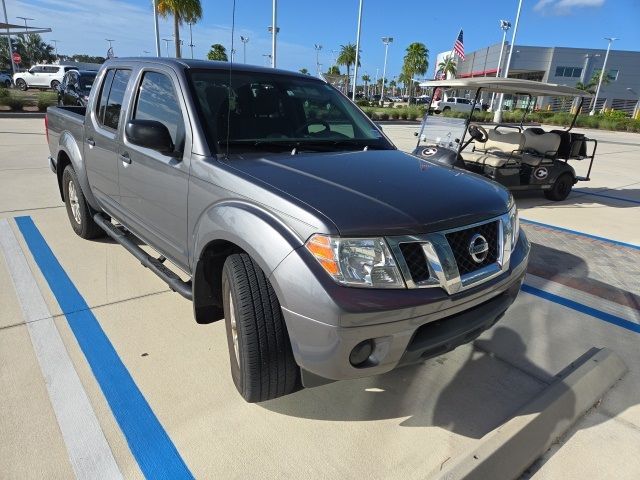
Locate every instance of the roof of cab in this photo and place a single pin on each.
(184, 63)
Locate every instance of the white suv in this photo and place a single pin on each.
(455, 104)
(41, 76)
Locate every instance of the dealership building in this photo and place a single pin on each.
(564, 66)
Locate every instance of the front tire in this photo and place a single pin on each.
(7, 83)
(561, 188)
(262, 363)
(55, 84)
(78, 210)
(21, 84)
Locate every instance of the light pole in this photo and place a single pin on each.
(504, 26)
(244, 41)
(156, 30)
(166, 44)
(386, 41)
(274, 32)
(497, 117)
(191, 45)
(318, 47)
(55, 46)
(233, 54)
(10, 50)
(602, 73)
(355, 69)
(110, 51)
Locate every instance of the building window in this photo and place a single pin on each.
(612, 74)
(572, 72)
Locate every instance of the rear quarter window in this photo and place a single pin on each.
(111, 97)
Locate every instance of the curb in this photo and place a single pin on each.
(22, 115)
(507, 451)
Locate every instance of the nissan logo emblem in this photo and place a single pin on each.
(478, 248)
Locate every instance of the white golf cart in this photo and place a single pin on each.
(519, 158)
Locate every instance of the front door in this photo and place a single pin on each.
(101, 138)
(154, 185)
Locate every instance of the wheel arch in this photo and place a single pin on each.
(69, 152)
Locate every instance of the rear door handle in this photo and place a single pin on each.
(91, 142)
(125, 158)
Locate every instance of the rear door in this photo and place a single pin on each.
(102, 144)
(37, 77)
(153, 185)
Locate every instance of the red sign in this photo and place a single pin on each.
(16, 57)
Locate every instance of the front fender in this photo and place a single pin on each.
(68, 144)
(255, 230)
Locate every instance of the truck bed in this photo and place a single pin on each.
(65, 119)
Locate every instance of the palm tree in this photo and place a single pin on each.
(448, 67)
(415, 62)
(347, 57)
(333, 70)
(366, 79)
(393, 85)
(189, 10)
(304, 71)
(218, 53)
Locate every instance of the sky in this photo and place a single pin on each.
(81, 26)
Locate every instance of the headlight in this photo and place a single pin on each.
(514, 221)
(356, 262)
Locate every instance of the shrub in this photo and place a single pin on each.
(395, 115)
(46, 99)
(383, 116)
(363, 103)
(404, 115)
(14, 103)
(614, 115)
(4, 93)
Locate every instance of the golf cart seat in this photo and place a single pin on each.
(539, 145)
(498, 149)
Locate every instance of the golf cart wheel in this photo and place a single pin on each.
(7, 83)
(262, 363)
(55, 84)
(78, 210)
(21, 84)
(561, 188)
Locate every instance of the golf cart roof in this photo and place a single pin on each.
(509, 85)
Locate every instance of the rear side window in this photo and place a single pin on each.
(111, 97)
(157, 101)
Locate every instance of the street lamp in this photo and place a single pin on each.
(244, 41)
(145, 52)
(268, 58)
(156, 30)
(386, 41)
(110, 51)
(318, 47)
(355, 69)
(55, 45)
(497, 117)
(504, 26)
(604, 69)
(26, 29)
(274, 31)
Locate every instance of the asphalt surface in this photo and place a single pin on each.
(163, 400)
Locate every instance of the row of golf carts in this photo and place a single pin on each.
(517, 156)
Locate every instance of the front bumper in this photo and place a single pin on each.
(406, 326)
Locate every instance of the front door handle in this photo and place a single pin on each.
(91, 142)
(125, 158)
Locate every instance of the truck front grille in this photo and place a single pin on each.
(460, 241)
(416, 261)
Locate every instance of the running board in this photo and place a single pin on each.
(582, 179)
(156, 265)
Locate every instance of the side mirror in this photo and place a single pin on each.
(150, 134)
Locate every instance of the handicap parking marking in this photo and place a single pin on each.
(149, 443)
(88, 450)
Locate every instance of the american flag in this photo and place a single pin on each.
(458, 47)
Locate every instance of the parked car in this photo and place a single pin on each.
(5, 80)
(456, 104)
(75, 87)
(41, 76)
(280, 200)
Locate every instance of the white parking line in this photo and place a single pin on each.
(89, 452)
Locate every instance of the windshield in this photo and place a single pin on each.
(441, 131)
(86, 81)
(264, 111)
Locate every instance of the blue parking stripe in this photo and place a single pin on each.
(595, 194)
(580, 307)
(152, 448)
(582, 234)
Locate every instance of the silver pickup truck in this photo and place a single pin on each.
(329, 253)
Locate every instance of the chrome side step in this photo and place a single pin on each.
(156, 265)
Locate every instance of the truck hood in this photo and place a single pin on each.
(380, 192)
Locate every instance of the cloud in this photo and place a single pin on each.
(565, 7)
(82, 26)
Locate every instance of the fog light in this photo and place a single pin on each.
(361, 353)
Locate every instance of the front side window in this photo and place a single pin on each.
(112, 96)
(157, 101)
(261, 110)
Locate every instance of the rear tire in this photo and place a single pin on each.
(78, 210)
(561, 188)
(262, 363)
(21, 84)
(55, 84)
(7, 83)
